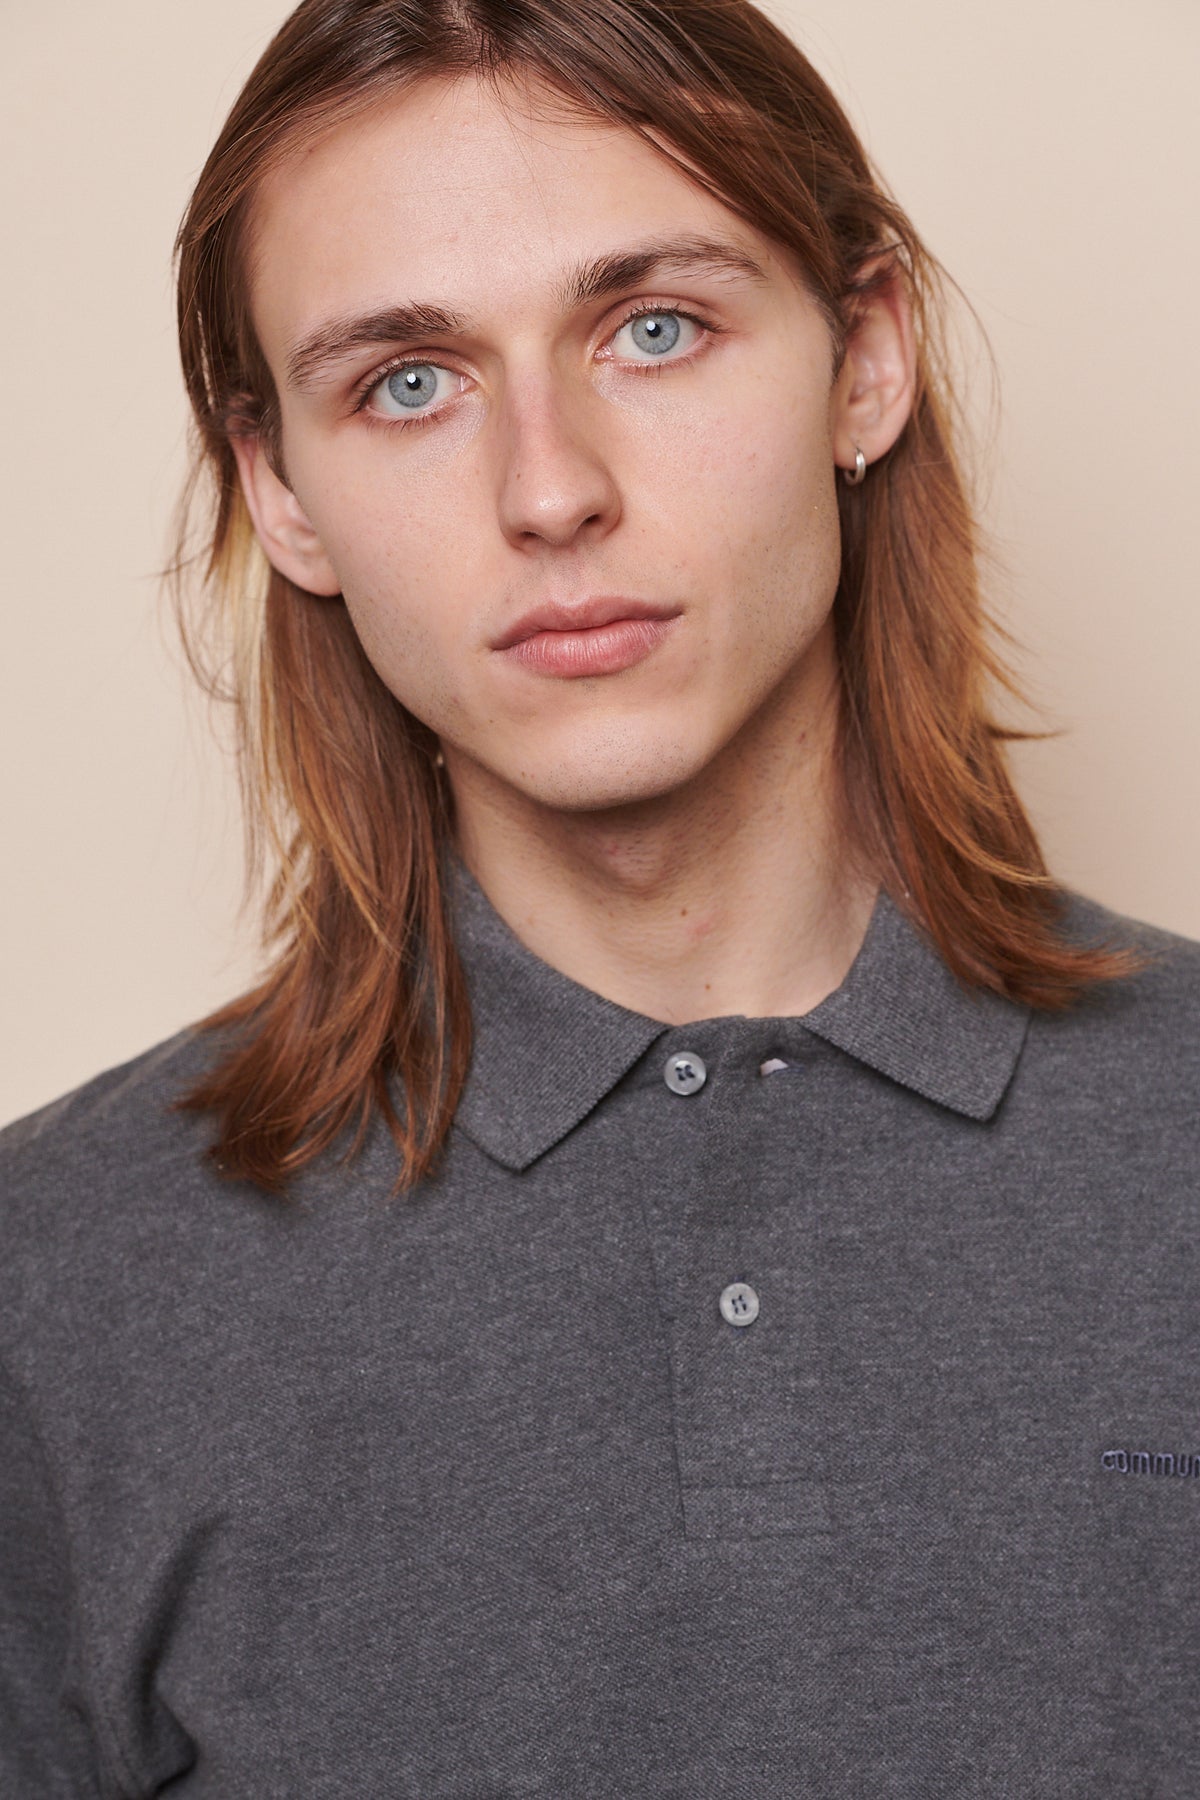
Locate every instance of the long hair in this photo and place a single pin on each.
(364, 1007)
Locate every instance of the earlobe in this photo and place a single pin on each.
(873, 394)
(280, 522)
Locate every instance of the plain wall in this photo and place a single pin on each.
(1047, 152)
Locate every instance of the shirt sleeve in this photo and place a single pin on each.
(46, 1747)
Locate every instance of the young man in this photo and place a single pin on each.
(678, 1281)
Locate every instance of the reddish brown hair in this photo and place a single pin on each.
(364, 1006)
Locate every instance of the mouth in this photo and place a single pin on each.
(598, 636)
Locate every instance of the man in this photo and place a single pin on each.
(679, 1278)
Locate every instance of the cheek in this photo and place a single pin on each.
(400, 565)
(402, 612)
(386, 503)
(410, 652)
(764, 503)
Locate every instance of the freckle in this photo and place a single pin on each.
(683, 912)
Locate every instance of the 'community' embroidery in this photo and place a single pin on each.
(1151, 1462)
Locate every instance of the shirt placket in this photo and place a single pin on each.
(727, 1217)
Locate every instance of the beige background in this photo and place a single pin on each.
(1048, 152)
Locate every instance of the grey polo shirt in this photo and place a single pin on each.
(760, 1407)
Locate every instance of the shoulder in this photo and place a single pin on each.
(1163, 989)
(113, 1117)
(104, 1182)
(1135, 1039)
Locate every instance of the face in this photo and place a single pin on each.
(560, 429)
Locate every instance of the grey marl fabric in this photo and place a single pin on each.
(477, 1493)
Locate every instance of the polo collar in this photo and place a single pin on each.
(547, 1050)
(902, 1013)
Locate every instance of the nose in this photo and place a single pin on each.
(556, 482)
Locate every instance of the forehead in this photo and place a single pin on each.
(464, 196)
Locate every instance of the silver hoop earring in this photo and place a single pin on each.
(853, 477)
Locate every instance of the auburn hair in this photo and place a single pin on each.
(364, 1007)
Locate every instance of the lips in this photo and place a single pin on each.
(604, 634)
(582, 615)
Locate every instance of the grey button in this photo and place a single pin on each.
(739, 1304)
(685, 1073)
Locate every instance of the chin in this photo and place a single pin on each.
(598, 784)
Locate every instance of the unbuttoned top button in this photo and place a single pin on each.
(739, 1304)
(685, 1073)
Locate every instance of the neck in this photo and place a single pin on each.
(734, 894)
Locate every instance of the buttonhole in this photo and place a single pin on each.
(772, 1065)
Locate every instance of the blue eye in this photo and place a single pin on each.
(408, 389)
(656, 334)
(412, 387)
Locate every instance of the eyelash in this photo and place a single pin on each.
(367, 387)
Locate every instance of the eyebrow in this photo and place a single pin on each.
(605, 275)
(314, 356)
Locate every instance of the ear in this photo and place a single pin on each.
(280, 523)
(874, 390)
